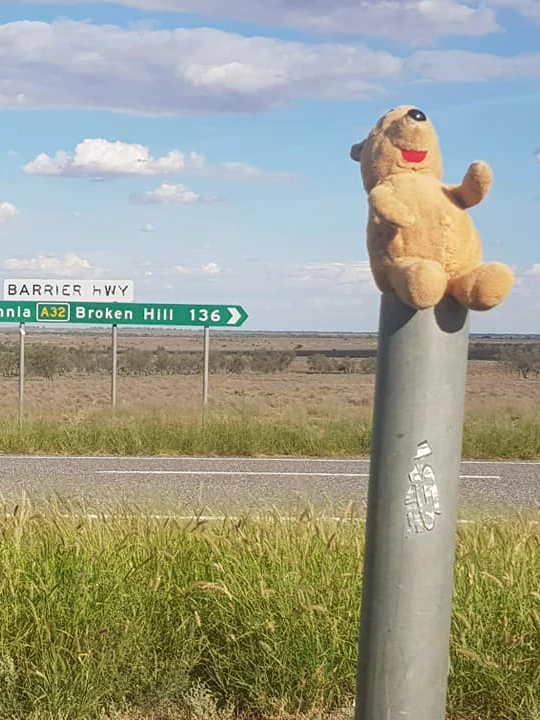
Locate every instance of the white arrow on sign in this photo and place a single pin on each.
(235, 316)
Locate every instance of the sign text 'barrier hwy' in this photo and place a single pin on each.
(64, 290)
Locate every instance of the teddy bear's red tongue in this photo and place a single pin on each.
(414, 156)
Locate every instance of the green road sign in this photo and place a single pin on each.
(94, 313)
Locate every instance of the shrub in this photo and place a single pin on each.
(136, 361)
(9, 360)
(320, 363)
(46, 360)
(522, 360)
(270, 361)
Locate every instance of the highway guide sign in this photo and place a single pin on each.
(68, 290)
(116, 313)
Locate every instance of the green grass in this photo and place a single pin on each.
(253, 617)
(236, 433)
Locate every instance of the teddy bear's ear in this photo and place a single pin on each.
(356, 151)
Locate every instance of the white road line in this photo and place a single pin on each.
(183, 458)
(261, 473)
(483, 477)
(186, 458)
(500, 462)
(227, 472)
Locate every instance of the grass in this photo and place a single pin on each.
(116, 615)
(229, 432)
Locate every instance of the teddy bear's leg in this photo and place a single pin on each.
(484, 287)
(417, 282)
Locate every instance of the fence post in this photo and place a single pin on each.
(411, 525)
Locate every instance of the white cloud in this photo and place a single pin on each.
(464, 66)
(66, 266)
(185, 71)
(168, 194)
(8, 211)
(178, 270)
(211, 268)
(276, 294)
(147, 228)
(520, 312)
(331, 274)
(410, 20)
(100, 158)
(203, 70)
(529, 8)
(537, 154)
(245, 172)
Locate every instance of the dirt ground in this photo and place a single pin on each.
(490, 390)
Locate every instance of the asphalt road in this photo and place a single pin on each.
(215, 486)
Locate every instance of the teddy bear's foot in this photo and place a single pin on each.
(418, 283)
(484, 287)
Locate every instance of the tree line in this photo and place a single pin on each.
(48, 360)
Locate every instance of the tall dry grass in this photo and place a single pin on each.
(115, 614)
(230, 431)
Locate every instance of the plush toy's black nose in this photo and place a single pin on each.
(417, 115)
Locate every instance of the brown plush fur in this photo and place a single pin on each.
(422, 243)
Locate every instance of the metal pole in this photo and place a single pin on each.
(114, 365)
(22, 336)
(206, 364)
(405, 621)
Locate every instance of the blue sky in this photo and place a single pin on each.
(206, 156)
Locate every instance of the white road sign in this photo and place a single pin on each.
(69, 290)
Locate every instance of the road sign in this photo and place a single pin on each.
(113, 313)
(28, 289)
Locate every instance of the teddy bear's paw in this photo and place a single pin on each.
(480, 172)
(476, 183)
(420, 283)
(485, 287)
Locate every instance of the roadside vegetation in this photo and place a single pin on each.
(309, 401)
(228, 431)
(49, 360)
(110, 616)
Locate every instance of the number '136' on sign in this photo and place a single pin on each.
(203, 315)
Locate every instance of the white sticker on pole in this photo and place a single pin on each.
(422, 498)
(54, 290)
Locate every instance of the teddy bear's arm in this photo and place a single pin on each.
(474, 186)
(388, 207)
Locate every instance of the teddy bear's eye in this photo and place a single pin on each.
(417, 115)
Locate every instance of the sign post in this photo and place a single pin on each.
(206, 364)
(22, 336)
(120, 313)
(412, 512)
(114, 364)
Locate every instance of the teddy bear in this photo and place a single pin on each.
(422, 243)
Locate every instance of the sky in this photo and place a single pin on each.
(201, 147)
